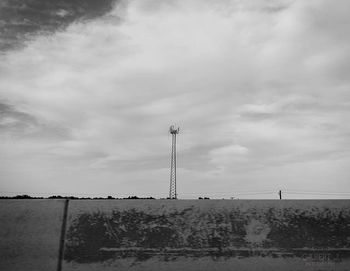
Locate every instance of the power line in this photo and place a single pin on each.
(325, 194)
(231, 194)
(199, 193)
(317, 192)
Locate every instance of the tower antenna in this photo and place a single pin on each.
(172, 191)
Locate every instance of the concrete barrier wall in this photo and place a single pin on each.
(29, 234)
(208, 235)
(169, 235)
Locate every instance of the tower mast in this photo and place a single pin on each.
(172, 191)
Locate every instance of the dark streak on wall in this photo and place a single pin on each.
(225, 233)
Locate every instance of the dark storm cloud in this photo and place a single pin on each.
(20, 19)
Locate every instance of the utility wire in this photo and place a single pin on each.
(199, 193)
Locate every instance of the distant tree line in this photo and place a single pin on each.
(80, 198)
(72, 197)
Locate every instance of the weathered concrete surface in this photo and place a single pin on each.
(176, 235)
(208, 235)
(29, 234)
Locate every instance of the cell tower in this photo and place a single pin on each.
(172, 191)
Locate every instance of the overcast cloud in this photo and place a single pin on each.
(260, 90)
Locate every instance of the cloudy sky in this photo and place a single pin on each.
(260, 90)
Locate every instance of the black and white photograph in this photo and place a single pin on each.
(168, 135)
